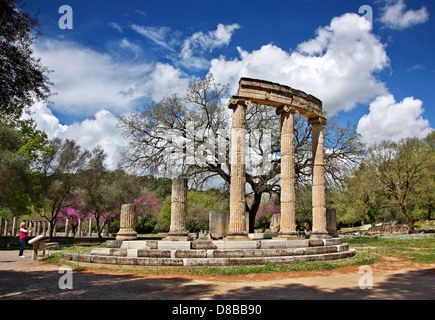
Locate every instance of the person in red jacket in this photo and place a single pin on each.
(23, 237)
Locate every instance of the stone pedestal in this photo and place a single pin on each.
(128, 221)
(237, 228)
(331, 222)
(288, 190)
(178, 231)
(319, 230)
(218, 222)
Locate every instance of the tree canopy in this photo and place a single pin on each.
(23, 79)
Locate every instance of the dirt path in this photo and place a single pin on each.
(392, 279)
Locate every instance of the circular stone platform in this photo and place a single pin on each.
(214, 253)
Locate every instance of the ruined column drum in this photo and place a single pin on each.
(128, 221)
(178, 229)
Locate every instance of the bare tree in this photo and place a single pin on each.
(190, 135)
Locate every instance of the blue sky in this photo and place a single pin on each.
(122, 54)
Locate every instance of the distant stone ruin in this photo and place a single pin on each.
(391, 227)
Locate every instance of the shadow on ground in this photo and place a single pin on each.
(413, 285)
(45, 285)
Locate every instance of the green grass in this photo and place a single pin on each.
(418, 250)
(361, 259)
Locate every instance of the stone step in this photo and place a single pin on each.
(220, 244)
(222, 261)
(217, 253)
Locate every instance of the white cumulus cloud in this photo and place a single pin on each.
(100, 130)
(201, 42)
(395, 16)
(391, 120)
(337, 66)
(86, 80)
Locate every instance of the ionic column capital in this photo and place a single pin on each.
(317, 120)
(236, 101)
(285, 109)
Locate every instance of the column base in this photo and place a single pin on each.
(320, 235)
(126, 236)
(237, 237)
(286, 237)
(177, 237)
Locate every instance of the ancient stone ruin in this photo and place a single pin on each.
(287, 102)
(239, 247)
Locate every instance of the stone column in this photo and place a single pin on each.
(288, 190)
(79, 229)
(66, 227)
(44, 228)
(5, 231)
(14, 226)
(105, 232)
(1, 226)
(128, 221)
(178, 231)
(237, 228)
(90, 228)
(34, 228)
(319, 230)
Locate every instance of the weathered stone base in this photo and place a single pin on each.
(237, 237)
(320, 235)
(177, 238)
(215, 253)
(126, 236)
(287, 237)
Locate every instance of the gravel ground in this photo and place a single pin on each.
(392, 279)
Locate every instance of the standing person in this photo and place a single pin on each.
(23, 237)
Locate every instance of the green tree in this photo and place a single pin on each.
(57, 179)
(162, 187)
(16, 179)
(34, 143)
(102, 191)
(359, 198)
(22, 77)
(424, 195)
(199, 204)
(400, 169)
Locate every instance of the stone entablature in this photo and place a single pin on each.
(277, 95)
